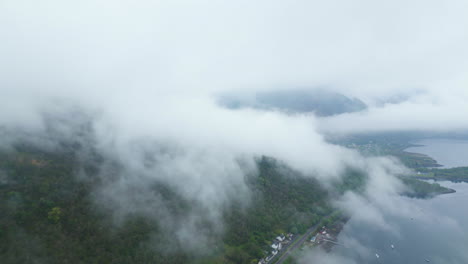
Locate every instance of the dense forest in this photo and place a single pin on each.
(48, 214)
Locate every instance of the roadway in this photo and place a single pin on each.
(296, 244)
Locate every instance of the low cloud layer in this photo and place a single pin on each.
(429, 112)
(147, 74)
(116, 53)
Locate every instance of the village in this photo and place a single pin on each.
(279, 243)
(324, 237)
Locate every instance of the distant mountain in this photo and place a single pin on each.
(319, 101)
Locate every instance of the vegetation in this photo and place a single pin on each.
(390, 145)
(290, 260)
(395, 145)
(423, 189)
(48, 214)
(283, 201)
(459, 174)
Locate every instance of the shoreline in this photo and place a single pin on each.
(430, 169)
(449, 152)
(334, 231)
(335, 227)
(422, 162)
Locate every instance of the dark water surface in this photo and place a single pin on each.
(437, 231)
(447, 152)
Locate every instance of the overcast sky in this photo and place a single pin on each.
(108, 53)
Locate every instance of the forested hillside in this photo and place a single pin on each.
(48, 215)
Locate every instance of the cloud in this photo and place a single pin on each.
(380, 195)
(146, 74)
(118, 51)
(423, 113)
(319, 255)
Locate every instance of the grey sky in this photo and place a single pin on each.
(119, 50)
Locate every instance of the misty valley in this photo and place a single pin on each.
(65, 201)
(50, 213)
(233, 132)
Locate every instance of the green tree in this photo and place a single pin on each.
(54, 214)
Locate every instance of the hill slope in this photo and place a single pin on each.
(49, 215)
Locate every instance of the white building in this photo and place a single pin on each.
(280, 238)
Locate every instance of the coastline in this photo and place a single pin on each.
(448, 152)
(427, 168)
(333, 229)
(416, 161)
